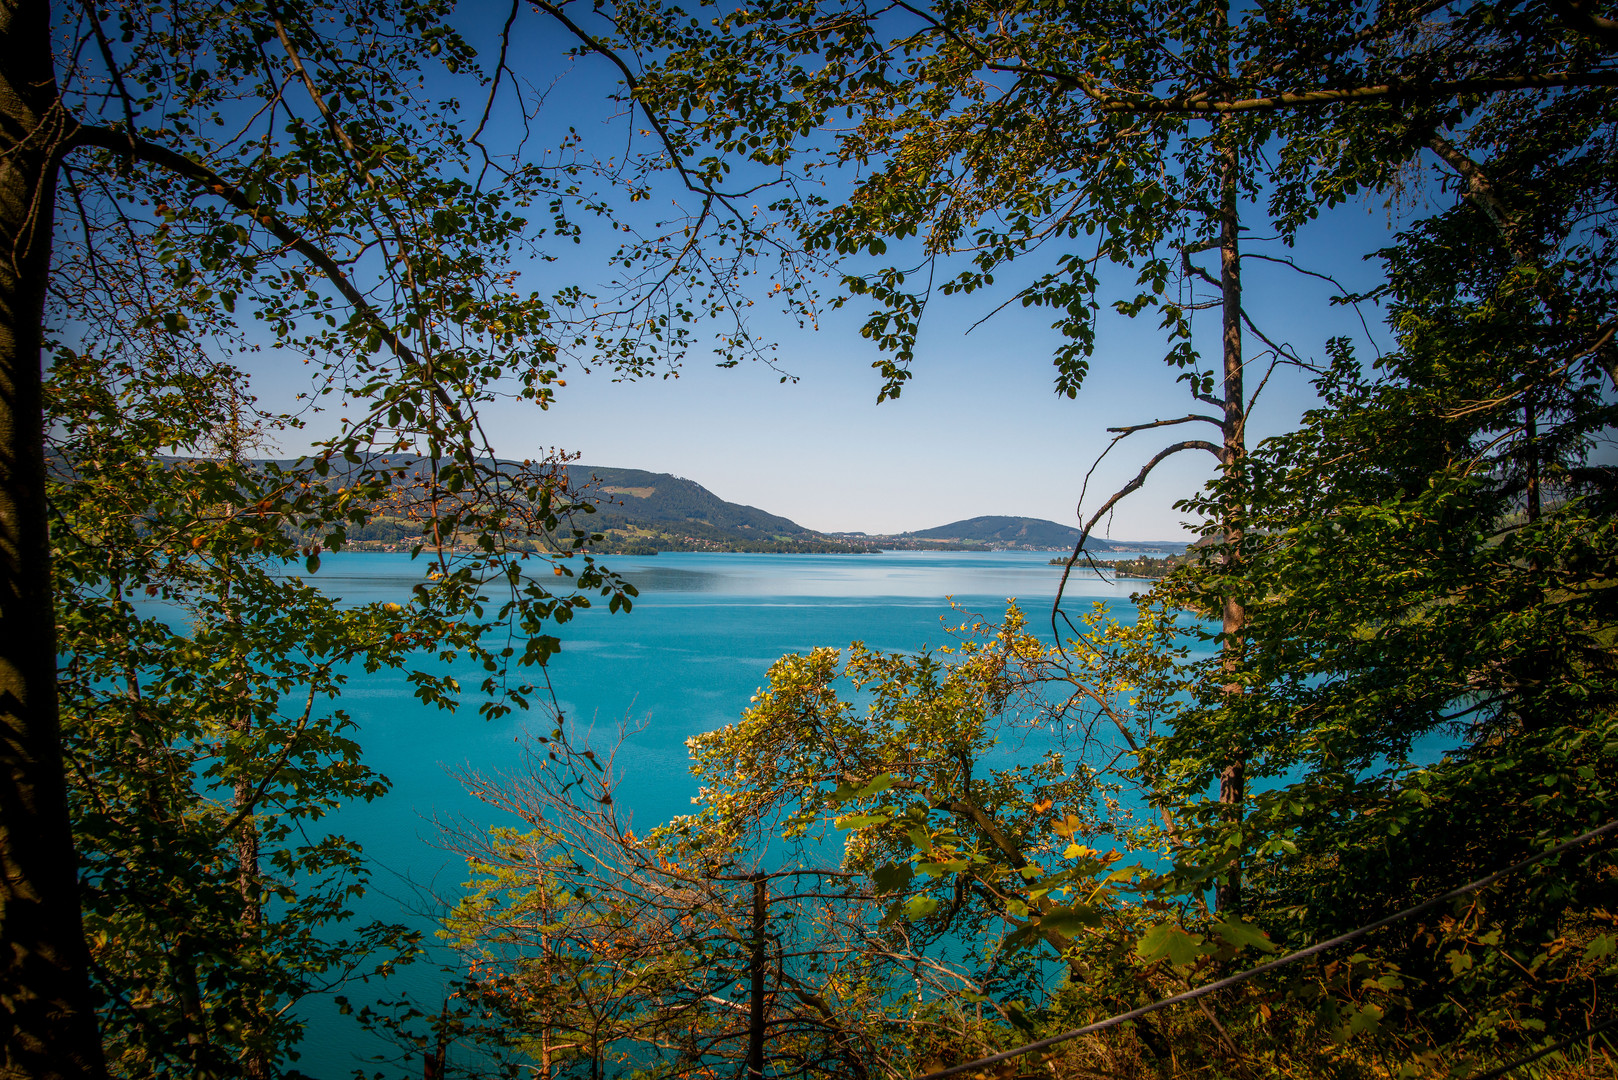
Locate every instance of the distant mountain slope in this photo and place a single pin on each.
(659, 498)
(1000, 531)
(644, 512)
(1035, 534)
(637, 511)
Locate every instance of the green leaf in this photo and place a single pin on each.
(1165, 941)
(892, 876)
(861, 821)
(1365, 1019)
(1245, 935)
(1068, 921)
(878, 784)
(942, 867)
(919, 907)
(848, 790)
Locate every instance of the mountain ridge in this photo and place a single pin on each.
(1001, 530)
(637, 489)
(638, 511)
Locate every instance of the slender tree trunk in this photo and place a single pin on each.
(1233, 775)
(255, 1064)
(755, 1002)
(145, 738)
(437, 1058)
(1531, 452)
(193, 1017)
(47, 1012)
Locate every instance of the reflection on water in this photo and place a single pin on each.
(929, 575)
(921, 574)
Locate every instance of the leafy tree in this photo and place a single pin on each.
(201, 737)
(1043, 143)
(1426, 558)
(1433, 570)
(594, 950)
(181, 189)
(931, 875)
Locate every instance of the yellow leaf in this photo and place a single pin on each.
(1067, 826)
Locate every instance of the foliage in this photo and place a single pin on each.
(1428, 557)
(198, 681)
(593, 950)
(191, 193)
(1432, 619)
(1414, 664)
(1042, 143)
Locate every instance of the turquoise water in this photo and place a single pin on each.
(697, 645)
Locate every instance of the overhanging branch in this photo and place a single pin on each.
(126, 143)
(1117, 497)
(1185, 106)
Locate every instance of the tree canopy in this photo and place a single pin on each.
(1408, 678)
(1409, 594)
(190, 193)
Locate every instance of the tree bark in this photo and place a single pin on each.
(1531, 455)
(255, 1064)
(755, 965)
(47, 1011)
(1233, 775)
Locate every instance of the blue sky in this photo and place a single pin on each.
(979, 430)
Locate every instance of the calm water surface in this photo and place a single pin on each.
(702, 635)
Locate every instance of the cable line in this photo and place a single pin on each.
(1495, 1074)
(1281, 962)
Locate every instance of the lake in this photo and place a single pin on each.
(703, 633)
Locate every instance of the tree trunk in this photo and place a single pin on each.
(1531, 455)
(437, 1059)
(1233, 775)
(756, 982)
(255, 1064)
(755, 1003)
(47, 1013)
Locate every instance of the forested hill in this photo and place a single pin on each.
(658, 498)
(636, 511)
(641, 512)
(1038, 534)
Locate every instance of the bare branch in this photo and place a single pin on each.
(1117, 497)
(1353, 95)
(632, 81)
(1285, 352)
(1124, 432)
(494, 88)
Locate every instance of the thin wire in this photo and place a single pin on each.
(1290, 958)
(1494, 1074)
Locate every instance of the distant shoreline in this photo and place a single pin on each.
(1140, 568)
